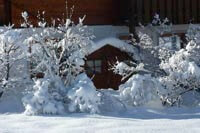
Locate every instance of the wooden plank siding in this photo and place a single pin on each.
(103, 12)
(147, 11)
(2, 17)
(194, 11)
(180, 11)
(5, 11)
(98, 12)
(169, 9)
(177, 11)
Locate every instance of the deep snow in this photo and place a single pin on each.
(134, 120)
(138, 120)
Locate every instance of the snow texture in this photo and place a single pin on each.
(117, 43)
(137, 120)
(183, 74)
(41, 101)
(139, 90)
(83, 95)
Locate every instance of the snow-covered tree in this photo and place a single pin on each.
(63, 56)
(141, 87)
(11, 54)
(126, 70)
(59, 52)
(175, 72)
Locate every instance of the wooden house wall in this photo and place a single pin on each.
(177, 11)
(5, 12)
(98, 12)
(108, 55)
(104, 12)
(2, 16)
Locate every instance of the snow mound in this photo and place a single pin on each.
(41, 101)
(83, 95)
(139, 90)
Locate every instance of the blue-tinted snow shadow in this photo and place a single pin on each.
(167, 113)
(135, 114)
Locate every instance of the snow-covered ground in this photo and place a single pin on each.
(138, 120)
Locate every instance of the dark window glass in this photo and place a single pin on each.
(93, 66)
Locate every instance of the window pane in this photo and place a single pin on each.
(90, 71)
(90, 63)
(98, 69)
(97, 63)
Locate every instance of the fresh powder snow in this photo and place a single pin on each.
(139, 120)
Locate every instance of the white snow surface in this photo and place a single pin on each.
(112, 41)
(115, 42)
(138, 120)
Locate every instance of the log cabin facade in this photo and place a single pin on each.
(103, 12)
(98, 12)
(116, 13)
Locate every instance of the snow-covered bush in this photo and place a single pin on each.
(183, 73)
(83, 95)
(139, 90)
(175, 72)
(125, 70)
(44, 98)
(193, 33)
(57, 54)
(11, 52)
(62, 56)
(12, 62)
(163, 25)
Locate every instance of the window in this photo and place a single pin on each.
(93, 66)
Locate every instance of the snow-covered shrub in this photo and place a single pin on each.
(57, 53)
(142, 84)
(83, 95)
(163, 25)
(183, 73)
(139, 90)
(13, 74)
(11, 52)
(44, 98)
(175, 72)
(125, 70)
(193, 33)
(62, 56)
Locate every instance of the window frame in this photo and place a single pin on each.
(94, 67)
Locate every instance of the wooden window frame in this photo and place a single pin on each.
(92, 69)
